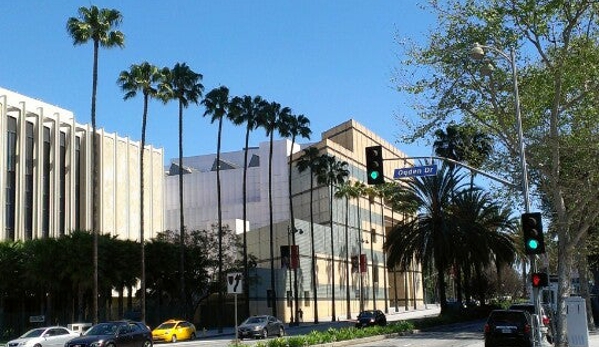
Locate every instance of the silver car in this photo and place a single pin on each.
(44, 337)
(261, 327)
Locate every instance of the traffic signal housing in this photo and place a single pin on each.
(539, 279)
(532, 227)
(374, 165)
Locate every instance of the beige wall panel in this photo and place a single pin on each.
(108, 185)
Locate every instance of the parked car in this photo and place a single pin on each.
(545, 321)
(509, 328)
(370, 318)
(44, 337)
(174, 330)
(261, 327)
(114, 334)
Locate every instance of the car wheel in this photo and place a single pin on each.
(264, 333)
(193, 336)
(37, 345)
(174, 338)
(281, 332)
(147, 343)
(110, 345)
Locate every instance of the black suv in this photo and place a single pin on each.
(509, 328)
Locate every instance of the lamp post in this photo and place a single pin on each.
(478, 52)
(293, 264)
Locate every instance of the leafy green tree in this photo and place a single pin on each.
(332, 173)
(142, 78)
(217, 105)
(245, 110)
(558, 87)
(310, 161)
(98, 26)
(182, 84)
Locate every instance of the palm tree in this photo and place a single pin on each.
(182, 84)
(332, 174)
(217, 105)
(144, 78)
(96, 25)
(371, 192)
(347, 191)
(310, 161)
(271, 119)
(246, 110)
(429, 237)
(293, 126)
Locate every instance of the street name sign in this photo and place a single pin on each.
(416, 171)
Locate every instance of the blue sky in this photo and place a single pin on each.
(329, 60)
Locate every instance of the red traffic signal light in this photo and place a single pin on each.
(532, 228)
(539, 279)
(374, 165)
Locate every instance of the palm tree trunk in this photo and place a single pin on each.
(221, 303)
(347, 261)
(360, 257)
(293, 230)
(246, 276)
(383, 233)
(334, 318)
(96, 317)
(181, 217)
(274, 302)
(314, 284)
(141, 210)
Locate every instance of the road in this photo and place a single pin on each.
(458, 335)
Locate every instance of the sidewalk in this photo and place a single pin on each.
(306, 327)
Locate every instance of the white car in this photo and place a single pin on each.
(44, 337)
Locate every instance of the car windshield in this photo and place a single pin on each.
(34, 333)
(165, 326)
(103, 329)
(255, 320)
(367, 314)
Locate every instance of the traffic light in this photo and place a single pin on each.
(533, 233)
(374, 165)
(540, 279)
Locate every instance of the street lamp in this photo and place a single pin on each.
(291, 231)
(478, 52)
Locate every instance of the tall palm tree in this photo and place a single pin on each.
(141, 78)
(359, 189)
(98, 26)
(183, 85)
(271, 119)
(332, 174)
(371, 193)
(310, 161)
(216, 103)
(347, 191)
(292, 127)
(429, 237)
(245, 110)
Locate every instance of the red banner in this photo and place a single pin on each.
(294, 257)
(362, 262)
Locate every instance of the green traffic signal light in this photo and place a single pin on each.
(374, 175)
(533, 244)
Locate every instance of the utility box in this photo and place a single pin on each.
(576, 318)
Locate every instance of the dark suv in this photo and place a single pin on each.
(509, 328)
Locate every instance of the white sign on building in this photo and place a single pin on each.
(234, 283)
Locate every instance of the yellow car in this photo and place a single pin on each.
(174, 330)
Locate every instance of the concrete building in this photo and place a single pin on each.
(359, 227)
(46, 170)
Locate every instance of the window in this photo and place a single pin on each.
(270, 298)
(306, 298)
(62, 193)
(289, 298)
(28, 208)
(10, 189)
(46, 184)
(77, 175)
(373, 235)
(375, 273)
